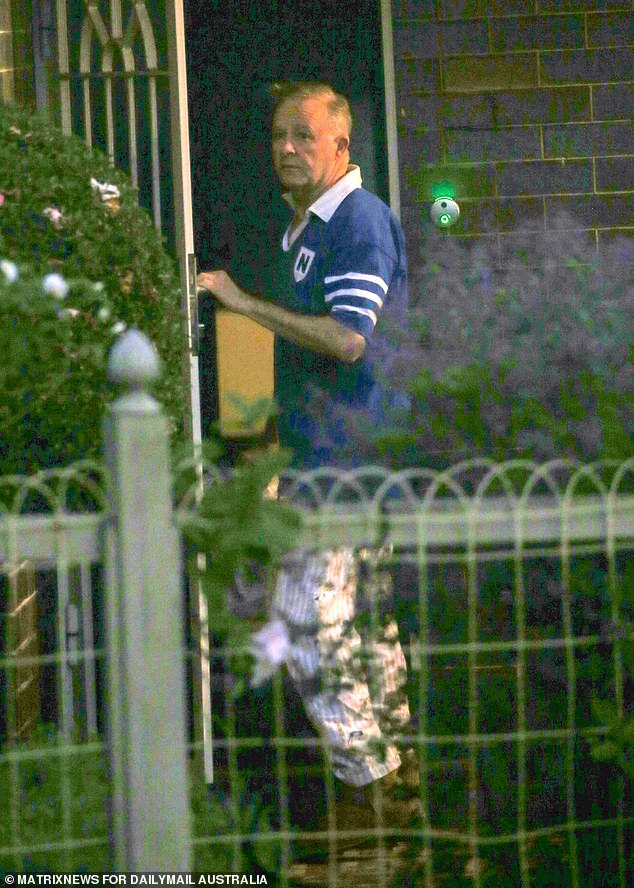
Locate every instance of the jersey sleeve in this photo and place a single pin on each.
(356, 285)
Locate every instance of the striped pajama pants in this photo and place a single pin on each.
(346, 660)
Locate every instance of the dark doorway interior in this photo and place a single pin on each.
(234, 51)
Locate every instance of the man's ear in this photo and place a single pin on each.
(343, 144)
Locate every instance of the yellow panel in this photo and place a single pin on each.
(245, 370)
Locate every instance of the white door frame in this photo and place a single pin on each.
(184, 230)
(389, 82)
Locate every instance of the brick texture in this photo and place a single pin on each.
(526, 106)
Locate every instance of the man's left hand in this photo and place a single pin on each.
(224, 290)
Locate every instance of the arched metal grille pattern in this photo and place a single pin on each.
(509, 644)
(114, 86)
(492, 564)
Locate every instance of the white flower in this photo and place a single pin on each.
(104, 313)
(271, 647)
(118, 328)
(68, 313)
(105, 190)
(55, 285)
(18, 132)
(54, 215)
(10, 270)
(99, 286)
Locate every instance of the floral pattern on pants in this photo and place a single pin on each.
(345, 659)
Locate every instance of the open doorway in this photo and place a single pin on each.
(234, 51)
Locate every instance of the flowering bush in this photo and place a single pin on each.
(55, 337)
(67, 217)
(532, 359)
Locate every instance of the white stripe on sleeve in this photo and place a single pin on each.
(362, 311)
(371, 278)
(363, 294)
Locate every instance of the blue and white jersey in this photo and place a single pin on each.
(346, 259)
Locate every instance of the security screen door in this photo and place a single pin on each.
(123, 88)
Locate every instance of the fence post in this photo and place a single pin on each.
(145, 680)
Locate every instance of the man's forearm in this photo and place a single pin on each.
(319, 333)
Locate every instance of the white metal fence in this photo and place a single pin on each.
(513, 589)
(119, 520)
(519, 600)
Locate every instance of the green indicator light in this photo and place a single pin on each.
(443, 189)
(445, 219)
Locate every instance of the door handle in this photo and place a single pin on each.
(195, 327)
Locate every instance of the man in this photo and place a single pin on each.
(342, 262)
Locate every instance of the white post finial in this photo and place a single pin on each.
(134, 362)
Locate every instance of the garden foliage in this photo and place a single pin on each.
(532, 358)
(65, 209)
(245, 532)
(55, 341)
(529, 358)
(34, 819)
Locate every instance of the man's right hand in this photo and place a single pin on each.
(224, 290)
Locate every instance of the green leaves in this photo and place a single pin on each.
(529, 354)
(56, 353)
(617, 745)
(231, 812)
(235, 523)
(243, 530)
(39, 813)
(54, 370)
(253, 412)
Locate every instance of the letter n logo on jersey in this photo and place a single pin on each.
(302, 263)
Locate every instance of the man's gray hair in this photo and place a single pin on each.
(338, 105)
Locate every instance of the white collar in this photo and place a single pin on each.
(325, 205)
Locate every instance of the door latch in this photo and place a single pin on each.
(195, 327)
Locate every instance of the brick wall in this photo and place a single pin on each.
(16, 52)
(527, 106)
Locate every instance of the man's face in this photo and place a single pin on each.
(309, 149)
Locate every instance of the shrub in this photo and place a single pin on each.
(533, 359)
(54, 373)
(55, 218)
(36, 803)
(34, 817)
